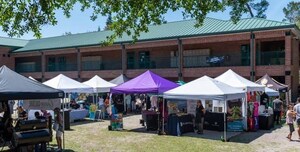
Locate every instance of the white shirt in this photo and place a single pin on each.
(297, 110)
(127, 99)
(101, 102)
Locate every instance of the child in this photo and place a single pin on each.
(290, 115)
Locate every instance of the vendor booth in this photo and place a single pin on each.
(100, 86)
(253, 89)
(69, 85)
(269, 82)
(148, 82)
(207, 89)
(14, 86)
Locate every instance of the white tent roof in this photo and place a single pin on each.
(99, 84)
(30, 77)
(233, 79)
(68, 85)
(205, 88)
(271, 92)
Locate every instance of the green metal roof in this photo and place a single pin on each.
(11, 42)
(169, 30)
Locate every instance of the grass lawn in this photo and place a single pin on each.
(95, 137)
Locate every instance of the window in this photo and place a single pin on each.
(245, 53)
(144, 59)
(130, 60)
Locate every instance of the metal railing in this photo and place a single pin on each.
(61, 67)
(101, 65)
(270, 58)
(215, 61)
(153, 63)
(26, 68)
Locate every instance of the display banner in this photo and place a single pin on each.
(191, 107)
(42, 104)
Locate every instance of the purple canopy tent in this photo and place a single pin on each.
(271, 83)
(148, 82)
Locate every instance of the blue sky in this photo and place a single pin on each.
(80, 22)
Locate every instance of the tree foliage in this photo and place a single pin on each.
(129, 16)
(108, 22)
(292, 13)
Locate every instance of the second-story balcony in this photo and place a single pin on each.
(101, 65)
(28, 67)
(153, 63)
(270, 58)
(215, 61)
(61, 67)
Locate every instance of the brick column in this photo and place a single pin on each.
(252, 56)
(288, 62)
(78, 65)
(180, 60)
(124, 59)
(43, 65)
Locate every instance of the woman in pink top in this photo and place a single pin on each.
(290, 115)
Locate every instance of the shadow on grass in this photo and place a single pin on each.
(53, 148)
(247, 137)
(208, 134)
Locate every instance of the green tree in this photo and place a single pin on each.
(129, 16)
(292, 13)
(108, 22)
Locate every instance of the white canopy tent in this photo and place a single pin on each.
(99, 84)
(233, 79)
(30, 77)
(68, 85)
(208, 89)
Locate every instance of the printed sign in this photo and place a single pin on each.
(45, 104)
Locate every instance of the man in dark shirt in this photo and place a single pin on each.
(277, 106)
(199, 120)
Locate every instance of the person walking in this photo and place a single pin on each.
(278, 107)
(297, 112)
(199, 120)
(290, 115)
(58, 127)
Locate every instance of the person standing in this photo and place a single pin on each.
(22, 114)
(297, 112)
(277, 106)
(128, 103)
(290, 115)
(199, 120)
(58, 127)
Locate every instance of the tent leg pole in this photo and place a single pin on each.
(64, 122)
(225, 138)
(163, 118)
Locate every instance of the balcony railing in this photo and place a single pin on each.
(25, 68)
(101, 65)
(154, 63)
(270, 58)
(61, 67)
(215, 61)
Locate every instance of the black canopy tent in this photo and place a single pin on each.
(14, 86)
(269, 82)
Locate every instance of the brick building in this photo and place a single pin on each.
(175, 50)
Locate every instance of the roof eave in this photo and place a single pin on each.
(173, 37)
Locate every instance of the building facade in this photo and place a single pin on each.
(175, 50)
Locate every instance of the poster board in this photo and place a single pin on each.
(42, 104)
(234, 115)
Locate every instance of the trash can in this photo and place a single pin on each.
(66, 119)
